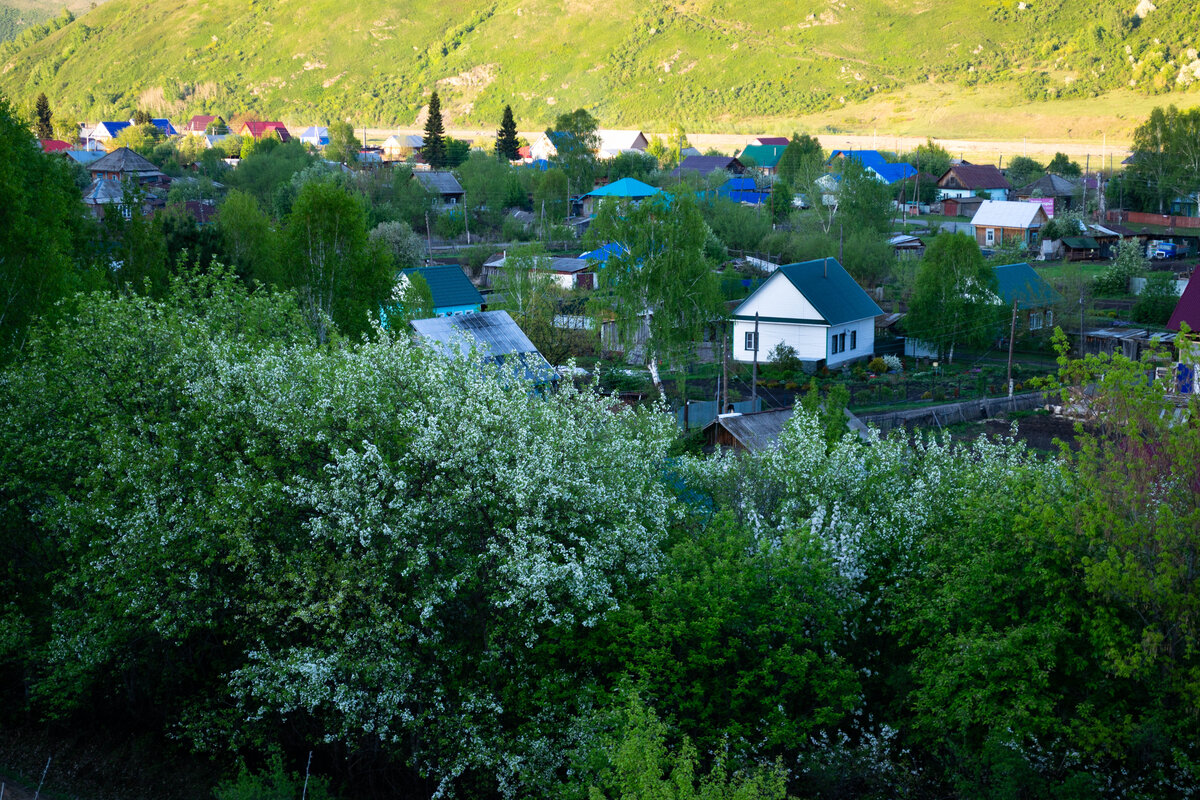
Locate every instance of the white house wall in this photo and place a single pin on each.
(809, 341)
(864, 341)
(777, 297)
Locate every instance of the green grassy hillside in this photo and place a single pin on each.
(705, 64)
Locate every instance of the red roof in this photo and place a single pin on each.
(773, 141)
(260, 129)
(525, 152)
(1188, 309)
(54, 145)
(200, 123)
(977, 176)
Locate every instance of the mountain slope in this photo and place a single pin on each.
(700, 63)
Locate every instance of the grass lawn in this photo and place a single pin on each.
(1065, 271)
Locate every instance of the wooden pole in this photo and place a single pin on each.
(1012, 333)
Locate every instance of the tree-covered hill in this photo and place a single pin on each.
(702, 63)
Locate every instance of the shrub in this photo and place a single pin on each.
(878, 365)
(785, 357)
(927, 396)
(894, 364)
(791, 386)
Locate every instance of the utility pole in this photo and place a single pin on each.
(467, 217)
(428, 242)
(1081, 323)
(1012, 334)
(754, 378)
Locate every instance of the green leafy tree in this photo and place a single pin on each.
(141, 117)
(491, 187)
(434, 148)
(550, 196)
(343, 144)
(576, 142)
(532, 298)
(780, 203)
(141, 139)
(329, 262)
(659, 284)
(133, 248)
(1157, 300)
(43, 126)
(1023, 171)
(41, 222)
(268, 166)
(1129, 262)
(863, 203)
(411, 299)
(796, 163)
(1063, 166)
(930, 157)
(398, 238)
(507, 146)
(457, 152)
(250, 243)
(952, 302)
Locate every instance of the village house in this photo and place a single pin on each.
(315, 135)
(258, 130)
(1000, 221)
(103, 133)
(763, 157)
(973, 180)
(626, 188)
(495, 335)
(444, 187)
(814, 307)
(613, 143)
(453, 293)
(569, 273)
(113, 172)
(399, 146)
(873, 162)
(206, 125)
(1021, 285)
(707, 165)
(1055, 193)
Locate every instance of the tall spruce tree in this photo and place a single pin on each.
(506, 138)
(42, 126)
(434, 148)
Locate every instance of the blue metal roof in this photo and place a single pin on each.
(743, 190)
(626, 187)
(602, 252)
(449, 286)
(165, 126)
(1021, 283)
(874, 161)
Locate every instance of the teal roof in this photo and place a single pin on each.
(1020, 282)
(826, 284)
(449, 285)
(765, 155)
(626, 187)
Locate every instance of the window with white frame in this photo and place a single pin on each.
(1035, 320)
(1049, 317)
(751, 341)
(989, 236)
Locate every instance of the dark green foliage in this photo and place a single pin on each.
(434, 148)
(951, 304)
(930, 157)
(1023, 171)
(631, 164)
(43, 127)
(343, 143)
(576, 142)
(780, 203)
(801, 149)
(268, 165)
(507, 146)
(141, 117)
(42, 226)
(1064, 167)
(1157, 300)
(1166, 160)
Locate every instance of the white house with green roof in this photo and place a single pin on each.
(814, 307)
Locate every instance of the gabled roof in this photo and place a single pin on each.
(743, 190)
(164, 126)
(873, 161)
(102, 192)
(771, 141)
(829, 288)
(1188, 308)
(616, 141)
(259, 129)
(757, 430)
(706, 165)
(54, 145)
(1081, 243)
(602, 252)
(449, 286)
(493, 332)
(85, 157)
(1049, 186)
(440, 183)
(410, 140)
(319, 133)
(200, 122)
(977, 176)
(1021, 283)
(125, 162)
(765, 156)
(108, 129)
(561, 265)
(1008, 214)
(626, 187)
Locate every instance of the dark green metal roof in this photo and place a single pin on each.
(449, 285)
(1020, 282)
(1081, 243)
(826, 284)
(765, 156)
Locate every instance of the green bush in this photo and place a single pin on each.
(877, 365)
(272, 783)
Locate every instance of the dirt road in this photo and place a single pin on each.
(983, 151)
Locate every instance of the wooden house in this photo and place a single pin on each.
(453, 293)
(1000, 221)
(707, 165)
(750, 432)
(1058, 193)
(974, 180)
(814, 307)
(445, 188)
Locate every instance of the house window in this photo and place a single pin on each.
(752, 341)
(989, 236)
(853, 339)
(1049, 317)
(1035, 320)
(833, 345)
(842, 344)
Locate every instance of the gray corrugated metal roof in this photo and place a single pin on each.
(126, 162)
(758, 430)
(442, 183)
(494, 333)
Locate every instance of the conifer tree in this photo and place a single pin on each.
(42, 116)
(506, 138)
(434, 148)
